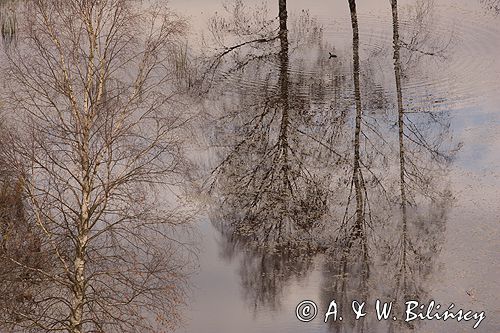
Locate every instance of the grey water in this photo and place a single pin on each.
(387, 156)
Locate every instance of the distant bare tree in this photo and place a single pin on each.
(91, 88)
(8, 22)
(18, 241)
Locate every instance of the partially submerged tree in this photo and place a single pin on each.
(91, 87)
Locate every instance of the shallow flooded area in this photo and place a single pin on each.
(253, 166)
(354, 158)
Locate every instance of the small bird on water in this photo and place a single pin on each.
(332, 55)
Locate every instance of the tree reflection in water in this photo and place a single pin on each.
(324, 167)
(423, 160)
(266, 185)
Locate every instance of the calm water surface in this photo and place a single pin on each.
(440, 242)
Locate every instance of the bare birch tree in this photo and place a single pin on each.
(91, 92)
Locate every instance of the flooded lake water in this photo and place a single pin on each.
(373, 136)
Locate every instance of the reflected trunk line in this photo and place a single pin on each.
(283, 135)
(416, 238)
(397, 75)
(353, 239)
(357, 175)
(284, 61)
(283, 33)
